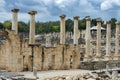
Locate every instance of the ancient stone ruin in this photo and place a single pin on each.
(20, 55)
(85, 52)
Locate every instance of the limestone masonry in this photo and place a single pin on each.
(18, 54)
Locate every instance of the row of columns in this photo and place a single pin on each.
(32, 26)
(98, 42)
(62, 29)
(62, 32)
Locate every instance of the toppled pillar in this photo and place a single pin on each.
(32, 27)
(88, 38)
(15, 20)
(62, 29)
(98, 50)
(117, 55)
(76, 18)
(108, 40)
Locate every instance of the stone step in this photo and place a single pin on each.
(3, 70)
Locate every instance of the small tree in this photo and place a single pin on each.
(7, 24)
(56, 28)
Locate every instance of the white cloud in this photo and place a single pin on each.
(2, 2)
(86, 6)
(5, 16)
(59, 3)
(107, 4)
(46, 2)
(96, 1)
(64, 3)
(51, 9)
(23, 17)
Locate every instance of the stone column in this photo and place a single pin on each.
(98, 50)
(32, 27)
(117, 55)
(15, 20)
(76, 18)
(62, 29)
(108, 39)
(88, 38)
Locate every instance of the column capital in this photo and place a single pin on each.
(108, 22)
(117, 23)
(32, 12)
(62, 16)
(76, 17)
(15, 10)
(99, 20)
(87, 18)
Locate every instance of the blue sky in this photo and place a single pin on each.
(49, 10)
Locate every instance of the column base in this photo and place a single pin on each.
(88, 58)
(107, 57)
(116, 57)
(97, 58)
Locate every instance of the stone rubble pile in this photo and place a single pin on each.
(11, 76)
(88, 76)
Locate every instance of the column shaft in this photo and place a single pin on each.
(117, 38)
(15, 20)
(76, 30)
(108, 39)
(88, 37)
(62, 29)
(98, 50)
(32, 27)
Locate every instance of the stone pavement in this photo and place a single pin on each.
(52, 73)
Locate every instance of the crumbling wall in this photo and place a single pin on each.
(4, 56)
(17, 55)
(71, 56)
(76, 60)
(37, 61)
(59, 57)
(11, 59)
(26, 52)
(52, 58)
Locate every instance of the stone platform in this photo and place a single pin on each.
(97, 65)
(53, 73)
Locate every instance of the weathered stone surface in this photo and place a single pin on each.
(62, 29)
(26, 56)
(30, 78)
(14, 20)
(10, 54)
(38, 57)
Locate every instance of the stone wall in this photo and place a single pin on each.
(19, 55)
(99, 65)
(10, 54)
